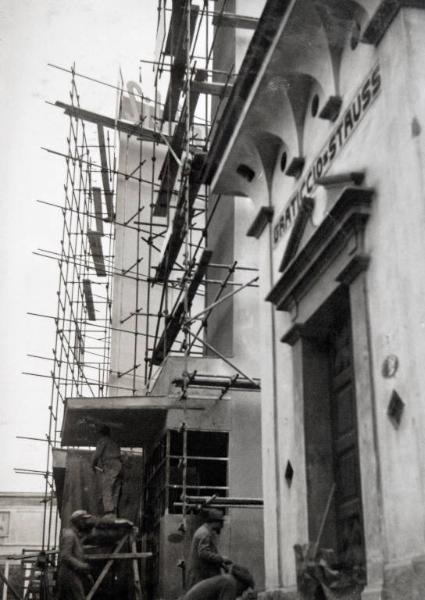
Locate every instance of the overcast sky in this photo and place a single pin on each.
(99, 36)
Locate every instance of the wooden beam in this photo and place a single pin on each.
(148, 135)
(105, 569)
(226, 19)
(136, 574)
(170, 167)
(175, 321)
(176, 239)
(178, 68)
(212, 88)
(346, 179)
(174, 27)
(120, 556)
(10, 587)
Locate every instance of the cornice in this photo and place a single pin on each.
(384, 16)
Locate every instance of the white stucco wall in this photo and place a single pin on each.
(24, 514)
(388, 145)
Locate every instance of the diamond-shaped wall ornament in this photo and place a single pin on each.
(289, 473)
(395, 409)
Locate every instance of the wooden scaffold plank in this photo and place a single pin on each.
(88, 297)
(170, 165)
(178, 68)
(144, 133)
(97, 201)
(175, 322)
(108, 193)
(95, 243)
(176, 238)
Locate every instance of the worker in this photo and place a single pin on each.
(73, 569)
(223, 587)
(107, 462)
(204, 559)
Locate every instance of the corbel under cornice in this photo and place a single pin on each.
(263, 217)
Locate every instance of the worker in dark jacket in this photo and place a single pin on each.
(107, 461)
(204, 559)
(222, 587)
(73, 568)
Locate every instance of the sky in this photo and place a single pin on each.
(100, 37)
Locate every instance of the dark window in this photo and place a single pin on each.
(206, 472)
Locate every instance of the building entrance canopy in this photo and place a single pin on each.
(135, 421)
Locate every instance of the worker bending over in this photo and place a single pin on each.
(204, 558)
(73, 568)
(107, 461)
(222, 587)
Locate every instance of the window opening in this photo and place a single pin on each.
(206, 475)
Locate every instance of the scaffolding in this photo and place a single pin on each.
(153, 197)
(178, 259)
(177, 214)
(79, 365)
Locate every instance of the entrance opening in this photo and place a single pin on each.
(332, 456)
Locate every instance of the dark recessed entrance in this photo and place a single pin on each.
(345, 447)
(331, 440)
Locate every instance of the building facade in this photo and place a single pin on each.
(304, 168)
(324, 134)
(22, 518)
(21, 522)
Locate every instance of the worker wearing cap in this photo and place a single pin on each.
(107, 461)
(204, 559)
(222, 587)
(73, 568)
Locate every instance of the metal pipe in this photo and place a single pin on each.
(225, 501)
(206, 381)
(226, 297)
(218, 505)
(226, 360)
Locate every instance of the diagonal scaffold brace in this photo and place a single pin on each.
(10, 587)
(106, 568)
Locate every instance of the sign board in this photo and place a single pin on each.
(346, 125)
